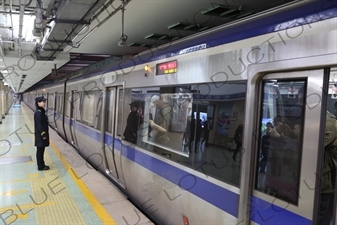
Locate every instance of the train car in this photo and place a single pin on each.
(274, 75)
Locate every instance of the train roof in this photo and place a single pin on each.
(247, 28)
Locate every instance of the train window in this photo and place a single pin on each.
(280, 138)
(120, 111)
(67, 104)
(89, 106)
(219, 110)
(98, 107)
(50, 111)
(78, 105)
(193, 125)
(60, 104)
(109, 110)
(73, 103)
(56, 102)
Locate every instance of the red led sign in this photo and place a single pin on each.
(166, 68)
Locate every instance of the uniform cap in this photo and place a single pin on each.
(40, 99)
(134, 104)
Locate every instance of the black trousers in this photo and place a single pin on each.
(39, 157)
(206, 136)
(326, 209)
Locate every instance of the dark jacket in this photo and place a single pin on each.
(238, 135)
(132, 125)
(41, 128)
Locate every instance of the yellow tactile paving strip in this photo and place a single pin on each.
(60, 207)
(63, 211)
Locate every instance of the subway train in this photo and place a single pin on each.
(187, 160)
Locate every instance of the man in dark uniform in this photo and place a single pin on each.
(41, 132)
(132, 124)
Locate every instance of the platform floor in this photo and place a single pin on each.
(70, 193)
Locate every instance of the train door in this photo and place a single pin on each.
(74, 99)
(327, 198)
(111, 146)
(55, 113)
(282, 139)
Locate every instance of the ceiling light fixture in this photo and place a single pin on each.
(147, 69)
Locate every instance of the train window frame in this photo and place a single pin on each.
(260, 117)
(79, 108)
(50, 101)
(98, 113)
(119, 113)
(108, 110)
(88, 119)
(67, 104)
(60, 103)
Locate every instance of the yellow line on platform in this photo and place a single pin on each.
(101, 212)
(98, 208)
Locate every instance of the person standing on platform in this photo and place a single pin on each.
(41, 132)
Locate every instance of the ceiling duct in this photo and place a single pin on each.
(70, 18)
(22, 11)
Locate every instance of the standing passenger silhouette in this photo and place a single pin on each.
(41, 132)
(238, 140)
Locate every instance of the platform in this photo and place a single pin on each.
(70, 193)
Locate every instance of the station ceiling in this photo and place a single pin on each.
(44, 40)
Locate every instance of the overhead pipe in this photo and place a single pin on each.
(17, 13)
(11, 16)
(4, 27)
(22, 10)
(50, 7)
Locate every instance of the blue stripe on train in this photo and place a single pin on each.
(262, 212)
